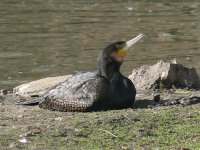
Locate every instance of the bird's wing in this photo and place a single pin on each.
(78, 93)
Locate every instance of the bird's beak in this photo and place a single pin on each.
(122, 52)
(133, 41)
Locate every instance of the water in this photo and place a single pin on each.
(50, 38)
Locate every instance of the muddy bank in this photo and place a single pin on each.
(159, 118)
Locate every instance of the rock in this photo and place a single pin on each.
(1, 98)
(182, 101)
(38, 87)
(3, 92)
(156, 98)
(164, 75)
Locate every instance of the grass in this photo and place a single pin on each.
(171, 127)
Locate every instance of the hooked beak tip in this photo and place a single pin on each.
(133, 41)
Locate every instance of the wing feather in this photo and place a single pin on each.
(78, 93)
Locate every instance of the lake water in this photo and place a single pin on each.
(57, 37)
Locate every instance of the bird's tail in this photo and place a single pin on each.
(29, 101)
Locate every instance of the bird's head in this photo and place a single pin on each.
(118, 50)
(111, 57)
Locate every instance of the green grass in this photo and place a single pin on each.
(173, 127)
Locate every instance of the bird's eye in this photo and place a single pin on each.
(120, 46)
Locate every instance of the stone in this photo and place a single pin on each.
(164, 75)
(3, 92)
(38, 87)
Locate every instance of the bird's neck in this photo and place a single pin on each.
(110, 70)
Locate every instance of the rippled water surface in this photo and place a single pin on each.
(57, 37)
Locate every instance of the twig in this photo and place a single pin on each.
(109, 133)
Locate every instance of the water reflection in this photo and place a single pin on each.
(49, 38)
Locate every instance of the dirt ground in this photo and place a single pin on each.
(146, 126)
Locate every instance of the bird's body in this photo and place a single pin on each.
(88, 92)
(105, 89)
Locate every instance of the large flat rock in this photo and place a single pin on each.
(38, 87)
(164, 75)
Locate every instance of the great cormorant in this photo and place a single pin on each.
(105, 89)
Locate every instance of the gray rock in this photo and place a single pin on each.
(38, 87)
(164, 75)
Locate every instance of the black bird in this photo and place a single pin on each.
(91, 91)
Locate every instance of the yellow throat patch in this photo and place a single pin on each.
(122, 52)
